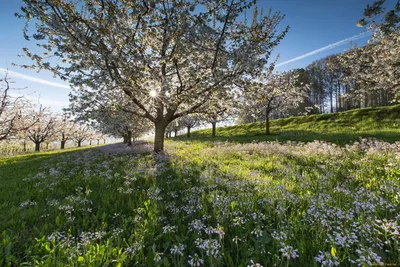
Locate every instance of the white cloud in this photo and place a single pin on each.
(47, 102)
(326, 48)
(14, 74)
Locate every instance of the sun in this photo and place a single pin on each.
(153, 93)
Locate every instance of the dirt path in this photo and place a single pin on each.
(137, 147)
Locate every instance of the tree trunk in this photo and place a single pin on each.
(214, 129)
(90, 142)
(104, 141)
(62, 144)
(24, 146)
(331, 98)
(98, 141)
(188, 132)
(339, 96)
(125, 138)
(159, 136)
(129, 137)
(79, 143)
(37, 146)
(267, 131)
(176, 132)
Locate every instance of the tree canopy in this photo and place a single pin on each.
(164, 58)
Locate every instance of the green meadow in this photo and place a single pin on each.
(312, 194)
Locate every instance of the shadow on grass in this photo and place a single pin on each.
(298, 136)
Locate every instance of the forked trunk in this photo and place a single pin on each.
(37, 146)
(129, 137)
(214, 129)
(159, 136)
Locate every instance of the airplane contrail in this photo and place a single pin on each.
(326, 48)
(33, 79)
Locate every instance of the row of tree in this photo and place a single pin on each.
(23, 121)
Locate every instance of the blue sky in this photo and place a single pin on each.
(314, 24)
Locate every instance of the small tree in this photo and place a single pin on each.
(218, 112)
(272, 92)
(12, 111)
(65, 129)
(190, 121)
(81, 133)
(43, 121)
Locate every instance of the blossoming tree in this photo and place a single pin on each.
(376, 66)
(270, 92)
(12, 112)
(167, 57)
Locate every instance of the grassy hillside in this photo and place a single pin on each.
(382, 123)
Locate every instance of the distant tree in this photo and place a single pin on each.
(12, 111)
(189, 122)
(81, 133)
(168, 60)
(316, 92)
(65, 129)
(271, 92)
(218, 111)
(43, 123)
(174, 127)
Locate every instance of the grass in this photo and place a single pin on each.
(204, 204)
(344, 127)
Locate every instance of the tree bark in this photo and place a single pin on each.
(267, 131)
(79, 143)
(214, 129)
(129, 137)
(159, 136)
(37, 146)
(62, 144)
(188, 132)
